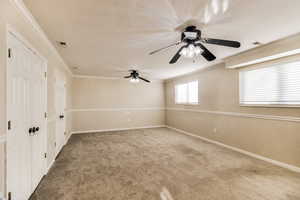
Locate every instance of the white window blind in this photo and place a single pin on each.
(275, 85)
(187, 93)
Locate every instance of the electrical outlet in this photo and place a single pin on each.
(215, 130)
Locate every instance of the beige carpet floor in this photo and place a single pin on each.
(160, 164)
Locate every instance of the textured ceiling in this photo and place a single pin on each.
(106, 37)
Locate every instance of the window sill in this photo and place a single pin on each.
(187, 104)
(271, 105)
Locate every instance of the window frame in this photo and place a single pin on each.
(186, 103)
(266, 105)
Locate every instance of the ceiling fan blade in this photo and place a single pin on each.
(127, 76)
(158, 50)
(144, 79)
(206, 53)
(227, 43)
(177, 55)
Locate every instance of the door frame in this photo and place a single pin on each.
(10, 30)
(60, 82)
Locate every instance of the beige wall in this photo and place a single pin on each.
(101, 104)
(9, 14)
(219, 91)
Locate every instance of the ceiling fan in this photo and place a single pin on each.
(192, 40)
(135, 76)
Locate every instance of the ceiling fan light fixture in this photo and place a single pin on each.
(198, 50)
(191, 54)
(134, 80)
(191, 51)
(184, 52)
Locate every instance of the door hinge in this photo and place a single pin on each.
(9, 52)
(9, 196)
(9, 125)
(45, 115)
(45, 155)
(55, 144)
(45, 74)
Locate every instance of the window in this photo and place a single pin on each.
(275, 85)
(186, 93)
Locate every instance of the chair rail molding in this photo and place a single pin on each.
(116, 109)
(236, 114)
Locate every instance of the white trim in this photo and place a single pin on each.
(113, 109)
(53, 161)
(68, 138)
(264, 59)
(11, 30)
(24, 10)
(117, 129)
(247, 115)
(274, 162)
(2, 139)
(271, 105)
(49, 166)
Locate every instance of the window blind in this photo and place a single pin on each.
(279, 84)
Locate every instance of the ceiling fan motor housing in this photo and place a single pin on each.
(191, 34)
(134, 74)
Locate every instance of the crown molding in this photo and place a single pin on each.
(27, 14)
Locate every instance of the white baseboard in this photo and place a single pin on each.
(68, 138)
(116, 129)
(53, 161)
(275, 162)
(49, 167)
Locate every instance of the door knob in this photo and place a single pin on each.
(37, 129)
(30, 131)
(61, 116)
(33, 129)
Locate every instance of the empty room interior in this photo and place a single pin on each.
(149, 100)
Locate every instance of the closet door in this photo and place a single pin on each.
(26, 103)
(37, 112)
(18, 102)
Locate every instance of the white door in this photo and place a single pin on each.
(60, 114)
(18, 140)
(38, 145)
(25, 149)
